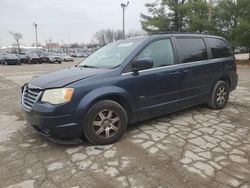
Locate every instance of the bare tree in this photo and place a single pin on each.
(48, 44)
(109, 35)
(118, 35)
(75, 45)
(105, 36)
(17, 37)
(64, 47)
(100, 37)
(135, 33)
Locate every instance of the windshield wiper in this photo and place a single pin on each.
(88, 66)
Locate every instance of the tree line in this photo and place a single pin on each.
(105, 36)
(227, 18)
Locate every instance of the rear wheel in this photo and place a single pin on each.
(105, 122)
(220, 95)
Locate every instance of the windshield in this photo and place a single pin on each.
(112, 55)
(33, 55)
(11, 56)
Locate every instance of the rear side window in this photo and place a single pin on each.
(191, 49)
(219, 48)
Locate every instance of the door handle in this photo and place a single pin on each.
(174, 72)
(186, 71)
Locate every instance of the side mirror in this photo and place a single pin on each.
(142, 64)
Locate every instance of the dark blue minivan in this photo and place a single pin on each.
(129, 81)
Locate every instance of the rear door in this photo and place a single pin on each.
(221, 56)
(197, 70)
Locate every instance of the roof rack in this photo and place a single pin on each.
(176, 32)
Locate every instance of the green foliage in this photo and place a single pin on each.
(176, 13)
(243, 29)
(158, 21)
(228, 18)
(197, 16)
(242, 34)
(225, 17)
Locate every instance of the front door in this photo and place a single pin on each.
(156, 90)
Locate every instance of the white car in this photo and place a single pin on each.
(67, 58)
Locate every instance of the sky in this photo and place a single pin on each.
(65, 21)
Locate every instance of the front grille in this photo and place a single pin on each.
(12, 60)
(30, 96)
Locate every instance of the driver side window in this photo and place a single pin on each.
(161, 52)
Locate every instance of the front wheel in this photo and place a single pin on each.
(105, 122)
(220, 95)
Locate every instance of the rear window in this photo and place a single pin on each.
(219, 48)
(191, 49)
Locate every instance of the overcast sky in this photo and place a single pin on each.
(65, 20)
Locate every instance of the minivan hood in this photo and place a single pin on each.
(64, 77)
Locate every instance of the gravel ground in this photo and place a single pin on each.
(196, 147)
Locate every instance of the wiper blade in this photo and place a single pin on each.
(88, 66)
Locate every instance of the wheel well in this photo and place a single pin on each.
(120, 100)
(227, 80)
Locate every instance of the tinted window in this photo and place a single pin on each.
(190, 49)
(161, 53)
(219, 48)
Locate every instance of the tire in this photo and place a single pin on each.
(6, 63)
(110, 123)
(220, 95)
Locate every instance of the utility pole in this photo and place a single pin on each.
(124, 7)
(35, 25)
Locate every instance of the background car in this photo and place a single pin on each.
(67, 58)
(240, 50)
(11, 59)
(44, 58)
(24, 58)
(34, 58)
(1, 58)
(54, 58)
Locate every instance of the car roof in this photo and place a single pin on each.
(179, 34)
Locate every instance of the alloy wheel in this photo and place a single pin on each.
(221, 95)
(106, 123)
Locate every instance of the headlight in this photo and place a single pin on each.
(58, 96)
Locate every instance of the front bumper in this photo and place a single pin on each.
(34, 60)
(52, 124)
(12, 61)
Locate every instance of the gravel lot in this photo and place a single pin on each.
(197, 147)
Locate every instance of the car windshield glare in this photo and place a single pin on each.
(111, 55)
